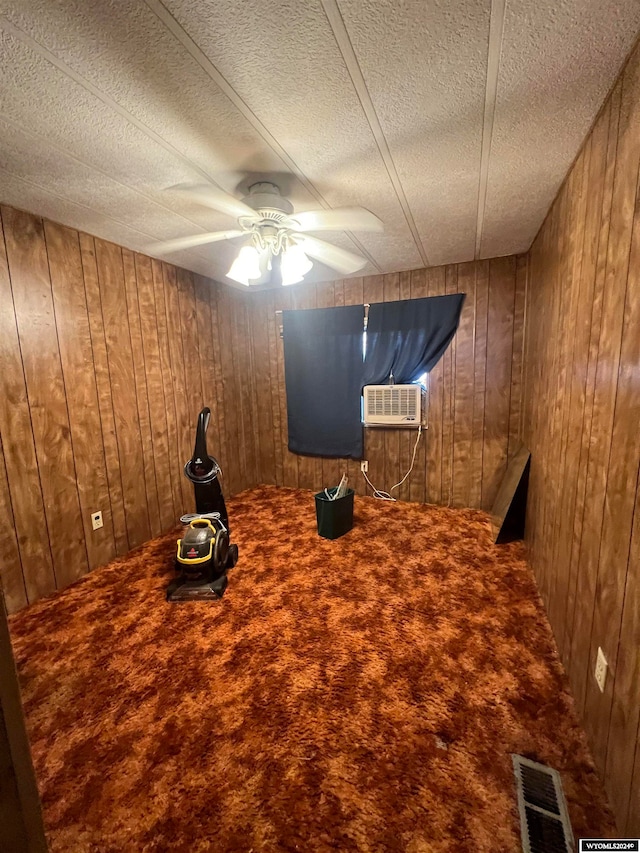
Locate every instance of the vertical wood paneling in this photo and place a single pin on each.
(177, 380)
(97, 404)
(173, 458)
(122, 379)
(35, 318)
(624, 449)
(481, 315)
(208, 374)
(573, 251)
(463, 367)
(142, 396)
(448, 411)
(76, 352)
(21, 826)
(12, 578)
(601, 186)
(372, 292)
(517, 362)
(273, 335)
(498, 376)
(187, 324)
(155, 389)
(249, 437)
(624, 689)
(20, 457)
(435, 287)
(103, 383)
(220, 450)
(283, 302)
(418, 482)
(582, 408)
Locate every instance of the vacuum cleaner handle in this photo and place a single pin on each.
(201, 462)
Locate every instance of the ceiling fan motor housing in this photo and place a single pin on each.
(265, 199)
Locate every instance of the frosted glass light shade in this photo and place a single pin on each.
(294, 265)
(246, 266)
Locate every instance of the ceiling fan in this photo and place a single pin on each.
(271, 229)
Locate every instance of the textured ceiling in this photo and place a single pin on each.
(454, 121)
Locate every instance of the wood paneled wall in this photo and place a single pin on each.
(21, 826)
(582, 417)
(107, 357)
(475, 392)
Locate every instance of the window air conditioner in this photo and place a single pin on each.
(394, 405)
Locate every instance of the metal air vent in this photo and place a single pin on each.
(544, 821)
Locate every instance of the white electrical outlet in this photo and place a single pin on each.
(364, 466)
(96, 520)
(601, 669)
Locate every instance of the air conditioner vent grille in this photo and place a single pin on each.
(393, 404)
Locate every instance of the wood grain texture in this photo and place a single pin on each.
(582, 410)
(142, 396)
(498, 376)
(374, 447)
(74, 336)
(13, 585)
(123, 389)
(155, 390)
(97, 401)
(21, 825)
(105, 402)
(173, 457)
(463, 390)
(24, 493)
(249, 437)
(458, 458)
(177, 378)
(46, 393)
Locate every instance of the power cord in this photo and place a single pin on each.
(193, 516)
(387, 496)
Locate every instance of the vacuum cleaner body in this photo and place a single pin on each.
(204, 554)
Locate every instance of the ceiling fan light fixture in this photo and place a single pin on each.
(266, 222)
(294, 264)
(246, 266)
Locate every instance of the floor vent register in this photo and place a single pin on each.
(544, 821)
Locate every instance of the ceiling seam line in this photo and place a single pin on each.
(49, 192)
(199, 56)
(345, 46)
(196, 53)
(99, 171)
(106, 99)
(494, 50)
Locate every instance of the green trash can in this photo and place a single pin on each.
(335, 518)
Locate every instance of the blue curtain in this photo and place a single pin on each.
(324, 378)
(407, 338)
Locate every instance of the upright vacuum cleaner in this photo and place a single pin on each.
(204, 554)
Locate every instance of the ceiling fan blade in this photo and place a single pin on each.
(193, 240)
(333, 256)
(340, 219)
(218, 199)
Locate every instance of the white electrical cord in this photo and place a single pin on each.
(386, 496)
(193, 516)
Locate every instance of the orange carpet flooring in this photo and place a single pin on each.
(362, 694)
